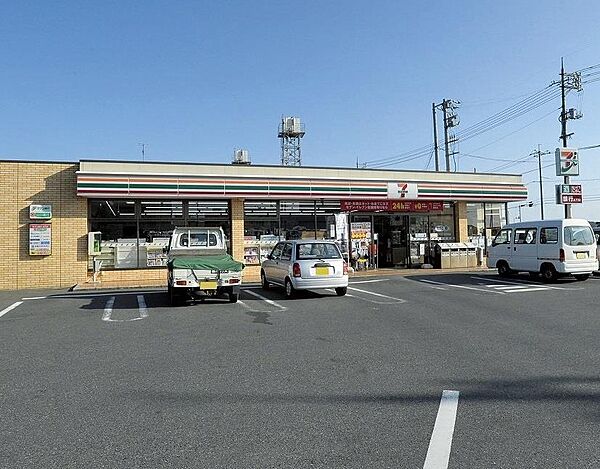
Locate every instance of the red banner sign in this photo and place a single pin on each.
(390, 206)
(571, 198)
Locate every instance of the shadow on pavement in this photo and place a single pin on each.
(551, 389)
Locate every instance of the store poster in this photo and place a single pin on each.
(361, 239)
(40, 239)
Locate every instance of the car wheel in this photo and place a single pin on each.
(549, 273)
(581, 277)
(233, 297)
(290, 291)
(263, 281)
(503, 269)
(174, 298)
(341, 291)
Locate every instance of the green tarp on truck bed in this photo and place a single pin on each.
(217, 262)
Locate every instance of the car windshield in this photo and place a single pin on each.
(317, 251)
(578, 236)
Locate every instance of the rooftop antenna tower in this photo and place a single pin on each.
(291, 130)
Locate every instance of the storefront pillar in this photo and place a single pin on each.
(461, 222)
(237, 229)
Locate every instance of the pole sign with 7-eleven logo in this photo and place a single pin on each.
(567, 162)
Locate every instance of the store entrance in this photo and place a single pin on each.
(392, 242)
(400, 240)
(407, 240)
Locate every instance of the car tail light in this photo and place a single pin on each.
(561, 255)
(180, 282)
(296, 270)
(234, 280)
(345, 268)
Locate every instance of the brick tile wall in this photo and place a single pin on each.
(23, 184)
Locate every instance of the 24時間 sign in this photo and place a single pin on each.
(390, 206)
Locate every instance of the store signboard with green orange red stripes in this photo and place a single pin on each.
(184, 187)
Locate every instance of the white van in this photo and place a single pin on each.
(552, 248)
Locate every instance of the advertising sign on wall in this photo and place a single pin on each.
(402, 190)
(390, 206)
(40, 239)
(40, 212)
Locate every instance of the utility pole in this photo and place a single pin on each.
(563, 122)
(538, 154)
(435, 140)
(446, 150)
(448, 107)
(568, 81)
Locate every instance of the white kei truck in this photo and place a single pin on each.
(199, 266)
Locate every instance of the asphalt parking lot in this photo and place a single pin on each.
(122, 379)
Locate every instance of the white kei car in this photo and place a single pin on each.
(305, 265)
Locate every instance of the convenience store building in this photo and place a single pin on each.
(395, 217)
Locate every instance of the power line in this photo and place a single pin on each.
(503, 118)
(517, 130)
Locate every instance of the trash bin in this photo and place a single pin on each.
(442, 251)
(463, 255)
(472, 259)
(455, 256)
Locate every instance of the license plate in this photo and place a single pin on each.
(208, 285)
(322, 270)
(582, 255)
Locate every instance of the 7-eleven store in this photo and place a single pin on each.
(393, 218)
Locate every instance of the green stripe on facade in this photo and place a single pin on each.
(103, 185)
(470, 192)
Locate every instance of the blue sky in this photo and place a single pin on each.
(194, 80)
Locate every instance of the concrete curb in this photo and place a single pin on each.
(354, 275)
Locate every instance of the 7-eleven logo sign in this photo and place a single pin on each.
(402, 190)
(567, 162)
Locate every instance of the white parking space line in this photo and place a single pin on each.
(438, 453)
(10, 308)
(108, 309)
(142, 306)
(35, 298)
(523, 290)
(524, 282)
(460, 286)
(513, 288)
(266, 300)
(369, 281)
(379, 295)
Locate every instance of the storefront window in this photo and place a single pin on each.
(442, 227)
(112, 209)
(266, 222)
(298, 220)
(261, 218)
(210, 213)
(476, 224)
(134, 233)
(495, 218)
